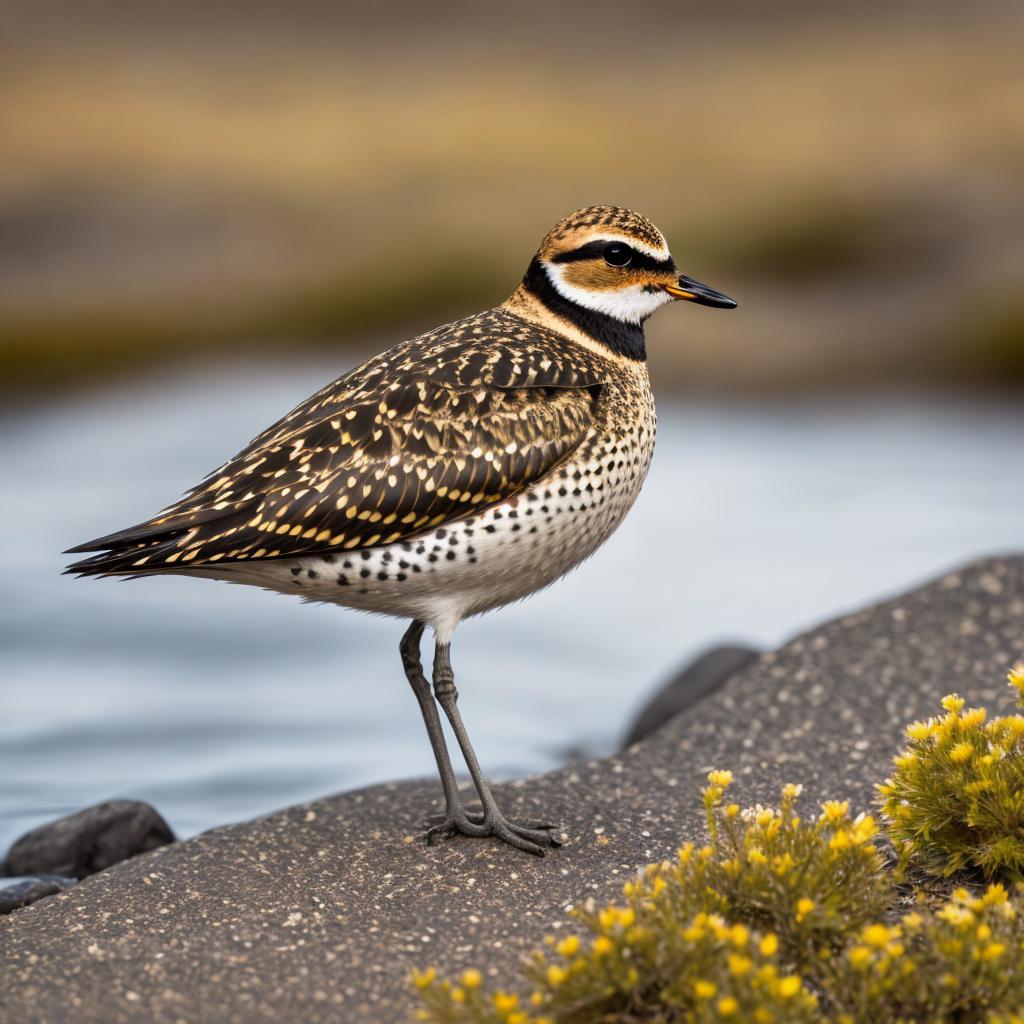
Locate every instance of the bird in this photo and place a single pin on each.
(457, 472)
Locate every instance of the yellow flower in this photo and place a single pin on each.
(921, 730)
(658, 885)
(864, 829)
(704, 989)
(961, 752)
(993, 895)
(728, 1006)
(739, 936)
(803, 907)
(791, 791)
(626, 916)
(841, 840)
(953, 702)
(569, 946)
(424, 979)
(769, 945)
(764, 817)
(603, 945)
(720, 778)
(1016, 676)
(755, 856)
(738, 965)
(536, 998)
(859, 956)
(913, 921)
(763, 1016)
(834, 810)
(458, 995)
(471, 978)
(904, 760)
(973, 716)
(993, 951)
(505, 1001)
(878, 935)
(958, 916)
(556, 975)
(732, 810)
(607, 918)
(788, 987)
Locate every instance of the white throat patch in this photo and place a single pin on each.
(630, 305)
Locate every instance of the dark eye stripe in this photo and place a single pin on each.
(595, 251)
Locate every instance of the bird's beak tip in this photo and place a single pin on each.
(693, 291)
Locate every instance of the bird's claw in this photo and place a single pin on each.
(531, 835)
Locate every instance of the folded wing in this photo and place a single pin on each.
(377, 457)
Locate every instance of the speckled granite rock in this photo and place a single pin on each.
(319, 912)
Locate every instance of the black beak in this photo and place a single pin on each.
(694, 291)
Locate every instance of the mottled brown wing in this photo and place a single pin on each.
(418, 455)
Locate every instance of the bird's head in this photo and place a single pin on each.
(614, 263)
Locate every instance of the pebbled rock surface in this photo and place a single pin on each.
(318, 913)
(89, 840)
(695, 681)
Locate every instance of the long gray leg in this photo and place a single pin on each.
(454, 808)
(529, 836)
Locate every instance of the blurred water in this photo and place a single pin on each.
(217, 703)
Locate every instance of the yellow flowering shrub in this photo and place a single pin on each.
(961, 962)
(782, 919)
(955, 799)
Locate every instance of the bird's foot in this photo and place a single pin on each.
(531, 835)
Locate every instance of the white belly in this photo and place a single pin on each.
(478, 563)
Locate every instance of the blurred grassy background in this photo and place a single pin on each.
(180, 182)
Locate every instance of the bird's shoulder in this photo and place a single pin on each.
(495, 350)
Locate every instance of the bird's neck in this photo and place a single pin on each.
(539, 297)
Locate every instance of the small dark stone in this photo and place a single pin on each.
(89, 840)
(20, 892)
(694, 682)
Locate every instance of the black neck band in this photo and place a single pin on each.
(622, 338)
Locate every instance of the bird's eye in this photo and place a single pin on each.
(617, 254)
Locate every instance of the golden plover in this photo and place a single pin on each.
(455, 473)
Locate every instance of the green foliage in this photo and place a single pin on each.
(956, 798)
(778, 919)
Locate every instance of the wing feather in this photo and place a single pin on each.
(408, 441)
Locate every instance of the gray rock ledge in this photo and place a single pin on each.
(319, 912)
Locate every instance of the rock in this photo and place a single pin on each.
(20, 892)
(88, 841)
(318, 913)
(694, 682)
